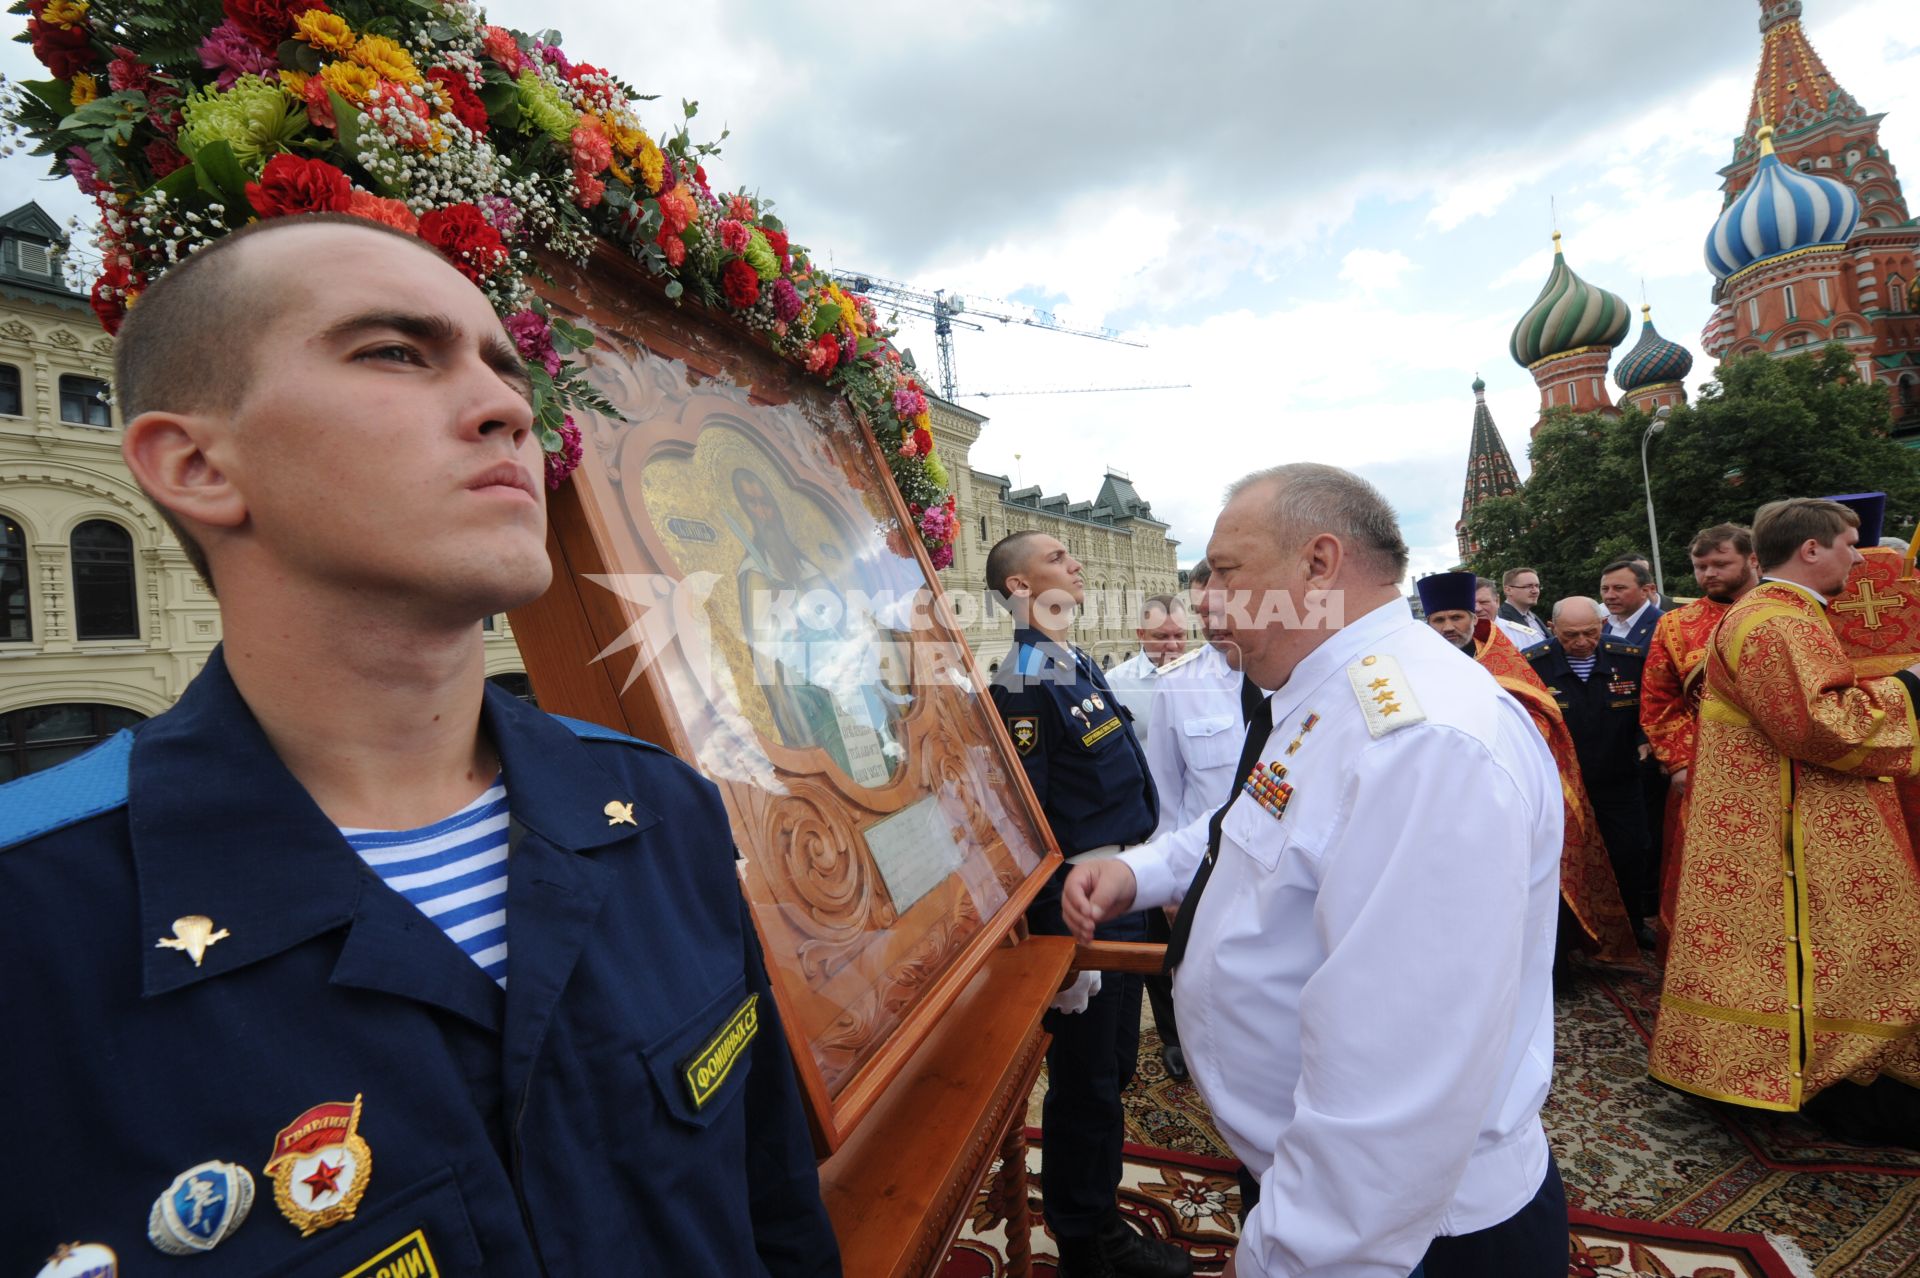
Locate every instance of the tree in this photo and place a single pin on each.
(1768, 428)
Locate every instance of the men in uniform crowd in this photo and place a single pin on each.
(276, 917)
(1794, 969)
(1597, 686)
(1671, 685)
(1592, 915)
(1368, 1011)
(1090, 777)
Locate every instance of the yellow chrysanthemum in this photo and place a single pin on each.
(327, 32)
(386, 58)
(349, 80)
(64, 13)
(651, 163)
(85, 89)
(294, 84)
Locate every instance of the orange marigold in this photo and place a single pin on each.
(387, 58)
(350, 80)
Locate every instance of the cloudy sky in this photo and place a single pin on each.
(1325, 217)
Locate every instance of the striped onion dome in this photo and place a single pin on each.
(1568, 314)
(1652, 359)
(1781, 210)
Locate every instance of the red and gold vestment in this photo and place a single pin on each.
(1795, 960)
(1587, 883)
(1670, 691)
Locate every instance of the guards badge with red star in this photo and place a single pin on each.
(320, 1166)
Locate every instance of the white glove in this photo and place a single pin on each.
(1075, 997)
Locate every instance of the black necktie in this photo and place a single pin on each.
(1259, 709)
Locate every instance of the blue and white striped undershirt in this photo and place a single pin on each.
(455, 872)
(1583, 666)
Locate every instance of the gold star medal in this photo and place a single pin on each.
(320, 1166)
(81, 1260)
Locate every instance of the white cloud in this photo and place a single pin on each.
(1374, 270)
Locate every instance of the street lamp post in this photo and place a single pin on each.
(1658, 424)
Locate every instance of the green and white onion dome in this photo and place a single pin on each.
(1569, 314)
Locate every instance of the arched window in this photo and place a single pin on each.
(9, 391)
(517, 683)
(40, 736)
(16, 619)
(103, 595)
(83, 401)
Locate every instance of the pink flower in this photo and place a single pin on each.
(734, 235)
(592, 150)
(908, 402)
(232, 53)
(503, 48)
(739, 206)
(125, 73)
(942, 556)
(908, 447)
(86, 174)
(937, 524)
(567, 460)
(786, 301)
(550, 53)
(587, 189)
(533, 336)
(503, 213)
(822, 355)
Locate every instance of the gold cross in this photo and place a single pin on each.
(1871, 603)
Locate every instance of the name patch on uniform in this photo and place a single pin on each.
(706, 1070)
(408, 1258)
(1025, 731)
(1101, 731)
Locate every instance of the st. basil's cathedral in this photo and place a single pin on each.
(1814, 244)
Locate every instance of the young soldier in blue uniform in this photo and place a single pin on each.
(268, 953)
(1597, 683)
(1090, 776)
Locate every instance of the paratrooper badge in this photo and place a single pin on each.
(320, 1166)
(1025, 730)
(201, 1208)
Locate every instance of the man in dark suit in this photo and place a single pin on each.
(1626, 588)
(1597, 683)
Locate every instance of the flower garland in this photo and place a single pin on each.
(482, 141)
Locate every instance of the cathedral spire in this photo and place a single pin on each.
(1490, 471)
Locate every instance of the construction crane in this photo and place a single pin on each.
(945, 310)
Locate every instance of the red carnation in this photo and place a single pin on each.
(268, 22)
(115, 288)
(290, 184)
(923, 440)
(126, 72)
(163, 157)
(465, 103)
(740, 283)
(65, 51)
(778, 241)
(465, 237)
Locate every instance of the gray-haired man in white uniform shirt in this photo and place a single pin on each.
(1367, 1011)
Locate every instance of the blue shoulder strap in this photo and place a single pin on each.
(1032, 661)
(67, 793)
(595, 732)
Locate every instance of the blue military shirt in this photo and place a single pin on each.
(555, 1127)
(1602, 711)
(1076, 744)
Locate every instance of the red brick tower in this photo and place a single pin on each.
(1816, 243)
(1490, 471)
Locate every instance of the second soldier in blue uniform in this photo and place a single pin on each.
(1090, 776)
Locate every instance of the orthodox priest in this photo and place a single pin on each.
(1592, 915)
(1671, 685)
(1795, 960)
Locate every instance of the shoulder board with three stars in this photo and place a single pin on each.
(1384, 697)
(1620, 647)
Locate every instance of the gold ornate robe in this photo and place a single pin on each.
(1795, 960)
(1587, 884)
(1670, 692)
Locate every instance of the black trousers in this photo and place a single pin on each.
(1160, 985)
(1089, 1063)
(1620, 809)
(1531, 1243)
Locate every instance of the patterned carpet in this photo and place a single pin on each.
(1633, 1149)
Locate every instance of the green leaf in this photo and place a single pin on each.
(57, 94)
(296, 56)
(179, 182)
(825, 318)
(221, 175)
